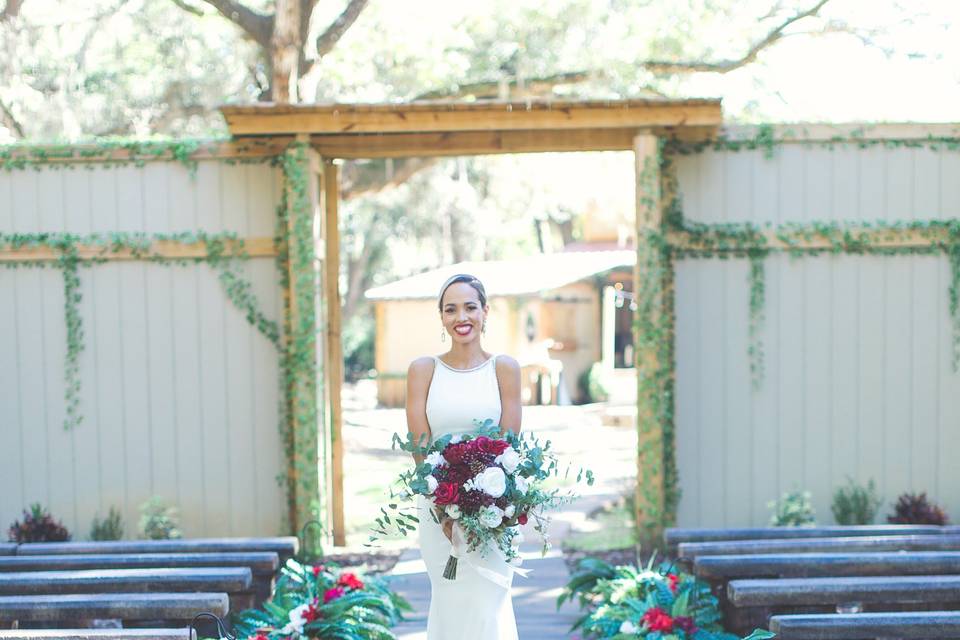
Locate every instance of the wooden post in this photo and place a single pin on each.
(653, 275)
(334, 378)
(304, 370)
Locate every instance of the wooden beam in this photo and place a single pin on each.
(802, 132)
(334, 377)
(477, 116)
(808, 239)
(652, 286)
(164, 249)
(463, 143)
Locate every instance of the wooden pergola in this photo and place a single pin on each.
(459, 129)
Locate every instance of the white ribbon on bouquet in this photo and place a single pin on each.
(492, 565)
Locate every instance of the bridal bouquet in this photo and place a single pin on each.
(487, 482)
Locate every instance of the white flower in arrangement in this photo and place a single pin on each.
(509, 460)
(509, 511)
(453, 511)
(521, 483)
(492, 481)
(296, 620)
(435, 460)
(628, 627)
(431, 485)
(455, 439)
(491, 516)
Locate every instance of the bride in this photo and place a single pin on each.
(445, 394)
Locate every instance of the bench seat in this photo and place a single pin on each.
(864, 626)
(260, 563)
(945, 542)
(217, 579)
(832, 591)
(285, 547)
(125, 606)
(185, 633)
(676, 536)
(810, 565)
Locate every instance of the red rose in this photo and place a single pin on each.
(446, 493)
(311, 613)
(657, 619)
(332, 594)
(317, 570)
(350, 581)
(674, 581)
(522, 518)
(493, 447)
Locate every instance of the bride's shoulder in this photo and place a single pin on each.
(506, 363)
(421, 366)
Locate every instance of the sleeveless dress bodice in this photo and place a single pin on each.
(457, 397)
(470, 607)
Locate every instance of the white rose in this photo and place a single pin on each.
(491, 516)
(628, 627)
(521, 483)
(492, 481)
(435, 459)
(509, 511)
(453, 511)
(296, 620)
(509, 460)
(431, 485)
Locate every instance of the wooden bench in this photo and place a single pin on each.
(186, 633)
(262, 564)
(946, 542)
(675, 536)
(284, 547)
(864, 626)
(125, 606)
(7, 548)
(810, 565)
(833, 591)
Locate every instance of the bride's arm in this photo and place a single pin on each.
(508, 378)
(418, 382)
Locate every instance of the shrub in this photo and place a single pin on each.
(793, 509)
(591, 384)
(627, 601)
(159, 521)
(110, 528)
(324, 601)
(855, 504)
(912, 508)
(38, 526)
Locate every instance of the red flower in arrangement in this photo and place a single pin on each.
(446, 493)
(522, 518)
(454, 453)
(259, 636)
(332, 594)
(685, 624)
(318, 569)
(491, 446)
(657, 619)
(674, 581)
(311, 613)
(350, 581)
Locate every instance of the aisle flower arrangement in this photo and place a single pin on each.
(653, 603)
(321, 602)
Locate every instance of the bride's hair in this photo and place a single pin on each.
(470, 280)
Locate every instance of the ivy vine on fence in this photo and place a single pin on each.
(224, 253)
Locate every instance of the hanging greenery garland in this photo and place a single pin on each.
(139, 245)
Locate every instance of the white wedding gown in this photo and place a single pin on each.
(470, 607)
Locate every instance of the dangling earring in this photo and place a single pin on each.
(443, 335)
(483, 329)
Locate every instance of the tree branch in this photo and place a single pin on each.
(257, 25)
(725, 66)
(360, 178)
(8, 120)
(11, 9)
(329, 38)
(189, 8)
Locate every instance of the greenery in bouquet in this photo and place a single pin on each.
(653, 603)
(488, 481)
(323, 601)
